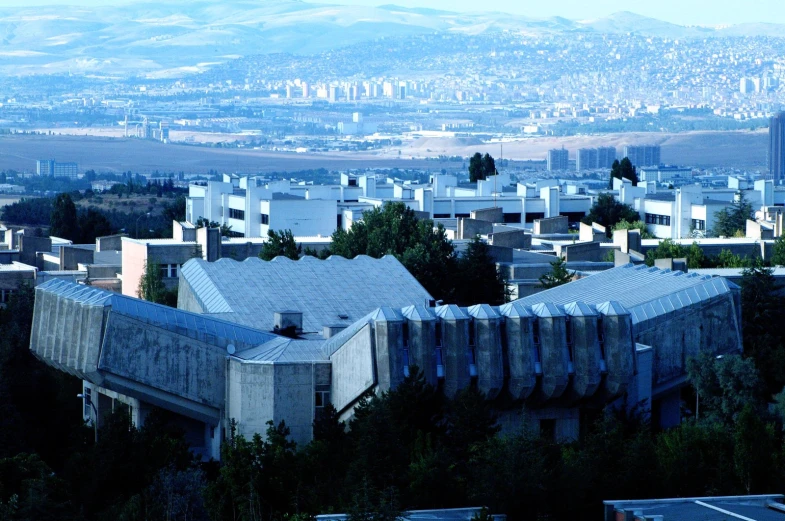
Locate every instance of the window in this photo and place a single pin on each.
(5, 295)
(236, 214)
(339, 223)
(531, 217)
(512, 217)
(168, 271)
(322, 399)
(661, 220)
(265, 219)
(548, 430)
(352, 182)
(463, 215)
(698, 224)
(441, 216)
(88, 401)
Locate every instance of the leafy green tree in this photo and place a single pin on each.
(623, 169)
(666, 249)
(732, 221)
(727, 259)
(724, 386)
(558, 275)
(762, 316)
(607, 211)
(634, 225)
(203, 222)
(422, 248)
(481, 281)
(754, 445)
(63, 223)
(282, 244)
(152, 288)
(778, 257)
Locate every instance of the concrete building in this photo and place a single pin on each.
(255, 341)
(643, 155)
(252, 206)
(586, 159)
(605, 157)
(665, 174)
(50, 167)
(558, 159)
(776, 155)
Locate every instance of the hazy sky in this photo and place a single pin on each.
(703, 12)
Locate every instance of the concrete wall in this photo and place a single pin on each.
(517, 239)
(470, 228)
(353, 367)
(163, 360)
(491, 215)
(110, 243)
(29, 246)
(71, 257)
(558, 224)
(590, 251)
(709, 326)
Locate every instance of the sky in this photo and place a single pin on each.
(685, 12)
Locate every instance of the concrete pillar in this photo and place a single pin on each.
(550, 329)
(618, 350)
(455, 350)
(521, 358)
(488, 355)
(421, 321)
(389, 352)
(584, 344)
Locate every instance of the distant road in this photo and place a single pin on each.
(742, 149)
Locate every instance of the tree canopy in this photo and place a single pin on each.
(558, 275)
(481, 167)
(282, 244)
(608, 212)
(732, 221)
(63, 222)
(623, 169)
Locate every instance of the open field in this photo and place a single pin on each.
(738, 149)
(743, 150)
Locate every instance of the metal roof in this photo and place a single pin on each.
(646, 293)
(201, 327)
(335, 291)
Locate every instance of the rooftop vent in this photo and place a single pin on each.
(288, 320)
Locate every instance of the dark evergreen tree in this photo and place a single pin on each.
(480, 280)
(63, 222)
(623, 169)
(280, 244)
(558, 275)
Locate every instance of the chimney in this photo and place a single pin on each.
(288, 320)
(331, 331)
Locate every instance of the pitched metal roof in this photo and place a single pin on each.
(201, 327)
(333, 291)
(646, 293)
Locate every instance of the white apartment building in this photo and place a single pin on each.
(690, 210)
(252, 206)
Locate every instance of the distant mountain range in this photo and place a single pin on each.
(191, 35)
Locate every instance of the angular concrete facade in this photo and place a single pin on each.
(626, 331)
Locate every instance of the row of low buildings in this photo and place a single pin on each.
(254, 206)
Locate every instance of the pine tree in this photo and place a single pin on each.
(558, 275)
